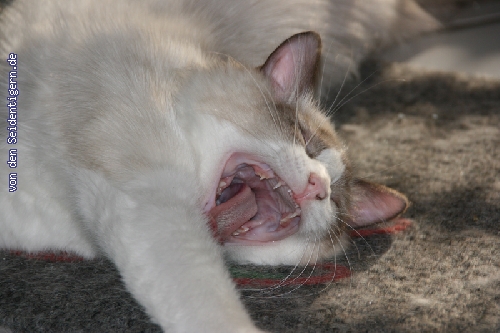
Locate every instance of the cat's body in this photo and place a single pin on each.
(142, 130)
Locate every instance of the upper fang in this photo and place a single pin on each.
(262, 177)
(222, 185)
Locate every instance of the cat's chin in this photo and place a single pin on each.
(294, 250)
(252, 205)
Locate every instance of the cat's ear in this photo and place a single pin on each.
(292, 68)
(372, 203)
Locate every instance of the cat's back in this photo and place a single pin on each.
(86, 55)
(246, 30)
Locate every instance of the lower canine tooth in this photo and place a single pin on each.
(284, 220)
(278, 185)
(289, 217)
(242, 230)
(222, 185)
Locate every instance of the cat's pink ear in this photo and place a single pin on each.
(372, 203)
(293, 66)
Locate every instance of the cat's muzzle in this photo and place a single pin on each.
(253, 205)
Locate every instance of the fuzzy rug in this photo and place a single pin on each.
(433, 136)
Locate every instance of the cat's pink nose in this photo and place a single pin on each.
(316, 189)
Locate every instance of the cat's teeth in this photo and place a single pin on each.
(240, 231)
(289, 217)
(264, 172)
(243, 229)
(222, 185)
(278, 185)
(264, 175)
(284, 220)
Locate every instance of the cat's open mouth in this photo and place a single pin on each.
(252, 204)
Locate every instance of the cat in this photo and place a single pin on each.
(171, 135)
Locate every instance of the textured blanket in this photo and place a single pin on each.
(433, 136)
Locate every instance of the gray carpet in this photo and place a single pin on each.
(432, 136)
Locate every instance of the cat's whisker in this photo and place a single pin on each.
(363, 91)
(278, 285)
(305, 266)
(359, 235)
(323, 67)
(342, 102)
(316, 260)
(346, 74)
(344, 80)
(330, 231)
(349, 265)
(287, 279)
(317, 247)
(297, 70)
(333, 109)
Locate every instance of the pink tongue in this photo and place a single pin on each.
(235, 212)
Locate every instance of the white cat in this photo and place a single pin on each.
(145, 132)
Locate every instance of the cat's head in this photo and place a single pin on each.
(285, 194)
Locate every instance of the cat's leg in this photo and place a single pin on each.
(156, 235)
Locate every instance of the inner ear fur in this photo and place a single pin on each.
(294, 66)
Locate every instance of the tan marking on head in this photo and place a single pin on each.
(318, 133)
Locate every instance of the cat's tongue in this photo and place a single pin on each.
(235, 212)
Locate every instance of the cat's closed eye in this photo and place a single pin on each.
(313, 144)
